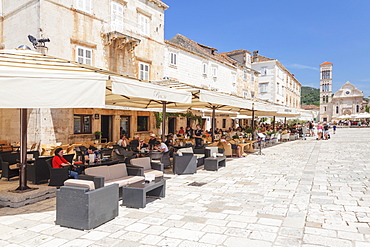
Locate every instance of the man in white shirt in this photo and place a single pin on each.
(160, 146)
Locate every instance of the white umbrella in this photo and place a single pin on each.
(32, 80)
(362, 115)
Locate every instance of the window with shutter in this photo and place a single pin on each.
(144, 71)
(116, 17)
(84, 55)
(173, 58)
(83, 5)
(144, 24)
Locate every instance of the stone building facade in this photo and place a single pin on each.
(276, 83)
(123, 36)
(202, 66)
(348, 100)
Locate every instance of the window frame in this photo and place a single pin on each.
(117, 16)
(84, 58)
(147, 123)
(82, 125)
(263, 86)
(144, 24)
(144, 75)
(204, 68)
(224, 122)
(233, 78)
(263, 71)
(173, 58)
(214, 71)
(85, 7)
(245, 94)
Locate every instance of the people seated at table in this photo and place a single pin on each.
(176, 136)
(198, 133)
(169, 141)
(123, 142)
(92, 150)
(152, 141)
(233, 146)
(160, 146)
(181, 131)
(135, 144)
(59, 161)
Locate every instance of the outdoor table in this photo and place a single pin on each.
(134, 195)
(242, 146)
(250, 148)
(213, 163)
(98, 163)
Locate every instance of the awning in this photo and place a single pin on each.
(32, 80)
(127, 92)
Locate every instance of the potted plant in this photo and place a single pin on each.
(97, 134)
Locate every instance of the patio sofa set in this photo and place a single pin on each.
(92, 200)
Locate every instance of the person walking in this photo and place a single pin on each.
(326, 131)
(198, 133)
(319, 132)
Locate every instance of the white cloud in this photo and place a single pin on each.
(300, 66)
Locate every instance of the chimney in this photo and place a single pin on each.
(255, 56)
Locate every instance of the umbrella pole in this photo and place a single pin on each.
(213, 123)
(252, 118)
(23, 152)
(273, 124)
(163, 120)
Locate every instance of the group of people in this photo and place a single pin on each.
(137, 144)
(59, 161)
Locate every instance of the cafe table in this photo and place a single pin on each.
(242, 145)
(250, 148)
(97, 163)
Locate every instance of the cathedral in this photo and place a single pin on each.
(348, 100)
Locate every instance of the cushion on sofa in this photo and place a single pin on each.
(214, 150)
(186, 150)
(125, 181)
(117, 171)
(156, 173)
(199, 156)
(80, 183)
(142, 162)
(100, 171)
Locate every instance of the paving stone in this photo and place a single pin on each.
(183, 234)
(243, 242)
(317, 198)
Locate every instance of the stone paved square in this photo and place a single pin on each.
(299, 193)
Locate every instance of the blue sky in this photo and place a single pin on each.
(300, 34)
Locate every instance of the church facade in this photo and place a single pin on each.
(348, 100)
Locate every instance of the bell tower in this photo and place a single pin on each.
(326, 88)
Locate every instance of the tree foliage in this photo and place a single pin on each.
(310, 96)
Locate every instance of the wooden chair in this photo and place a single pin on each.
(3, 142)
(7, 148)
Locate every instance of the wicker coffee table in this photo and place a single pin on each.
(134, 195)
